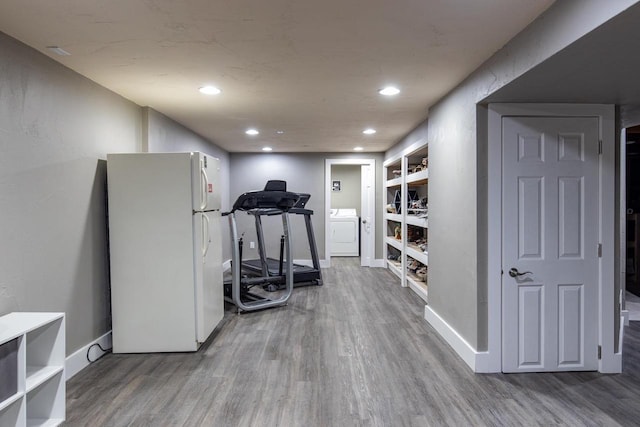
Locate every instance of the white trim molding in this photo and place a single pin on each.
(624, 318)
(367, 256)
(477, 361)
(379, 263)
(77, 361)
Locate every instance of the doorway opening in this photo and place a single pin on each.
(630, 216)
(350, 209)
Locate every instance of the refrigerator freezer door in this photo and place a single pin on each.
(208, 267)
(206, 179)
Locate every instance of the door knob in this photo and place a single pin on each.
(515, 273)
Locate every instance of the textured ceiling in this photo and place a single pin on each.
(306, 67)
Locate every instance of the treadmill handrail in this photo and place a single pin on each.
(236, 261)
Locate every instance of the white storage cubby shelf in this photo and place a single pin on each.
(32, 357)
(405, 210)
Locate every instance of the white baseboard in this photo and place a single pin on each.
(78, 360)
(486, 363)
(624, 317)
(376, 263)
(305, 262)
(477, 361)
(379, 263)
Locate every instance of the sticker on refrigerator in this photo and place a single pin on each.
(210, 188)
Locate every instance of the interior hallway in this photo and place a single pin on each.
(353, 352)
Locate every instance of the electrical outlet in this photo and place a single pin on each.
(252, 245)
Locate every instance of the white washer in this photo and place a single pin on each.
(345, 232)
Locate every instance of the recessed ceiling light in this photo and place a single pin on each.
(369, 131)
(252, 132)
(267, 149)
(209, 90)
(358, 148)
(279, 132)
(389, 91)
(58, 50)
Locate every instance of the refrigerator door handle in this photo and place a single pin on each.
(205, 187)
(206, 239)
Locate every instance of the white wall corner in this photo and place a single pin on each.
(479, 362)
(78, 360)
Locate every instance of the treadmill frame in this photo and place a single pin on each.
(307, 275)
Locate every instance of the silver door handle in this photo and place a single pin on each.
(515, 273)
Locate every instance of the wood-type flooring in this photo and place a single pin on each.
(354, 352)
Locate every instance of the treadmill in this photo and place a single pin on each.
(270, 267)
(238, 290)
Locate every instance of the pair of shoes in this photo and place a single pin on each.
(421, 273)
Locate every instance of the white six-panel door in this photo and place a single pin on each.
(550, 244)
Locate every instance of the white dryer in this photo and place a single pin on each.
(345, 232)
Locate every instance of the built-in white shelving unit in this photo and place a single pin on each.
(32, 356)
(406, 180)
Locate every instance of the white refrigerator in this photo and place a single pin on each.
(165, 250)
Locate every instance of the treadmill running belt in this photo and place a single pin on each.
(273, 266)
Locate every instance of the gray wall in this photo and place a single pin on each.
(304, 173)
(162, 134)
(56, 128)
(167, 135)
(350, 187)
(457, 164)
(418, 135)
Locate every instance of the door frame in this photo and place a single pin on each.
(611, 361)
(622, 261)
(368, 252)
